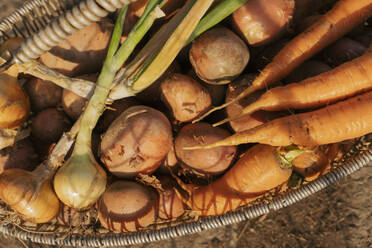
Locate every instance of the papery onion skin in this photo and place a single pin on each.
(19, 189)
(80, 182)
(14, 104)
(127, 207)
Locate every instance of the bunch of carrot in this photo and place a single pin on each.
(341, 121)
(342, 93)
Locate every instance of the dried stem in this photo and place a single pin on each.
(80, 87)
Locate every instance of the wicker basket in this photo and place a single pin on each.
(36, 14)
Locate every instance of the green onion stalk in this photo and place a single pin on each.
(81, 181)
(167, 42)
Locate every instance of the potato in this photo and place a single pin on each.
(218, 56)
(21, 155)
(127, 207)
(136, 142)
(73, 104)
(43, 94)
(262, 21)
(49, 125)
(205, 162)
(310, 164)
(170, 205)
(308, 69)
(307, 22)
(265, 56)
(247, 121)
(185, 97)
(115, 110)
(152, 94)
(83, 52)
(343, 50)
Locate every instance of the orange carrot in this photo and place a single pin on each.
(342, 18)
(259, 170)
(344, 120)
(345, 80)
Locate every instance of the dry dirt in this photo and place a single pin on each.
(339, 216)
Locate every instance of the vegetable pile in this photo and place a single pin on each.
(140, 87)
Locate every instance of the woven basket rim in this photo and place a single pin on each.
(147, 236)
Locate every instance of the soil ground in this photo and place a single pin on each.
(339, 216)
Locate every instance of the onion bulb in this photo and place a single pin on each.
(81, 181)
(14, 104)
(127, 207)
(29, 195)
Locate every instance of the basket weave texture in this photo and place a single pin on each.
(35, 15)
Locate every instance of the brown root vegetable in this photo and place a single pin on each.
(33, 199)
(83, 52)
(261, 21)
(136, 142)
(264, 57)
(204, 162)
(171, 159)
(343, 50)
(73, 104)
(152, 94)
(310, 164)
(259, 170)
(21, 155)
(365, 38)
(217, 93)
(49, 125)
(43, 94)
(308, 69)
(14, 104)
(170, 205)
(185, 97)
(218, 56)
(127, 207)
(307, 22)
(116, 109)
(247, 121)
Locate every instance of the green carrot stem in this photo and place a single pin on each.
(111, 65)
(215, 16)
